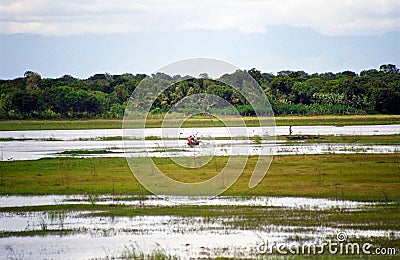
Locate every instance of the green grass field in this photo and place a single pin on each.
(198, 122)
(360, 177)
(356, 177)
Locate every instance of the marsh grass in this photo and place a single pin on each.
(152, 138)
(257, 139)
(257, 217)
(300, 219)
(367, 139)
(45, 232)
(100, 138)
(10, 139)
(367, 177)
(83, 152)
(133, 252)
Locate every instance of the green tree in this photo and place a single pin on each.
(33, 80)
(389, 69)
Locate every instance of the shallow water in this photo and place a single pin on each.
(287, 202)
(34, 145)
(34, 150)
(102, 237)
(206, 131)
(178, 236)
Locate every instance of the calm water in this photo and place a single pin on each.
(287, 202)
(34, 150)
(33, 145)
(102, 237)
(206, 131)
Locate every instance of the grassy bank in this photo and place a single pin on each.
(198, 122)
(349, 139)
(17, 125)
(356, 177)
(338, 120)
(249, 217)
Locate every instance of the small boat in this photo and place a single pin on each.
(193, 143)
(301, 137)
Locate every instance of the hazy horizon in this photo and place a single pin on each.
(82, 38)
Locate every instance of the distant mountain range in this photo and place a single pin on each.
(280, 48)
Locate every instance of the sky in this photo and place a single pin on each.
(81, 38)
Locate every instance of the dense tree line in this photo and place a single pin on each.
(289, 92)
(296, 92)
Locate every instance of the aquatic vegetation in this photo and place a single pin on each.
(230, 227)
(83, 152)
(133, 252)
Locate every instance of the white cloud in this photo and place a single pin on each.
(331, 17)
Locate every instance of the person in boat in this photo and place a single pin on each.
(192, 140)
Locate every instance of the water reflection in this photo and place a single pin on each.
(34, 145)
(34, 150)
(151, 200)
(205, 131)
(83, 236)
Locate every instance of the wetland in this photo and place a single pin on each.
(69, 194)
